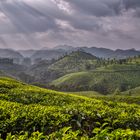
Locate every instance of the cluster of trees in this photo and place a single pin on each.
(105, 62)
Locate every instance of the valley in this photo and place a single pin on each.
(75, 69)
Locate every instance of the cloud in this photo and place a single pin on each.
(25, 18)
(46, 23)
(2, 42)
(103, 7)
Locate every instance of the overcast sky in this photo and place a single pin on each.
(26, 24)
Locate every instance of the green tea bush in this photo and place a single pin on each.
(29, 112)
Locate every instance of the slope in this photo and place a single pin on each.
(75, 61)
(104, 80)
(46, 71)
(29, 112)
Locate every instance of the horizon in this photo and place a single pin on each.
(29, 24)
(53, 48)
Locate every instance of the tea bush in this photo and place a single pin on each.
(29, 112)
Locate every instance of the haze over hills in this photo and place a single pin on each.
(124, 53)
(61, 50)
(100, 52)
(9, 53)
(27, 53)
(12, 54)
(47, 54)
(83, 68)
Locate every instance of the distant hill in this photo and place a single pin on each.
(78, 61)
(67, 48)
(48, 54)
(61, 50)
(108, 53)
(8, 53)
(104, 81)
(98, 52)
(27, 53)
(124, 53)
(75, 61)
(80, 55)
(51, 64)
(102, 52)
(46, 71)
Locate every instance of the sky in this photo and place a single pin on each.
(35, 24)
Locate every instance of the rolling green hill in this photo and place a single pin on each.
(29, 112)
(104, 80)
(74, 62)
(46, 71)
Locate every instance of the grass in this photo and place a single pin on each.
(29, 112)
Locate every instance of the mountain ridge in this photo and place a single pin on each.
(61, 50)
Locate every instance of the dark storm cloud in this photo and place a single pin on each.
(25, 18)
(131, 3)
(95, 7)
(78, 22)
(103, 7)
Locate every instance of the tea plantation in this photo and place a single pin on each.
(32, 113)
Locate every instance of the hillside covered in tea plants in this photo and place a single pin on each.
(32, 113)
(104, 79)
